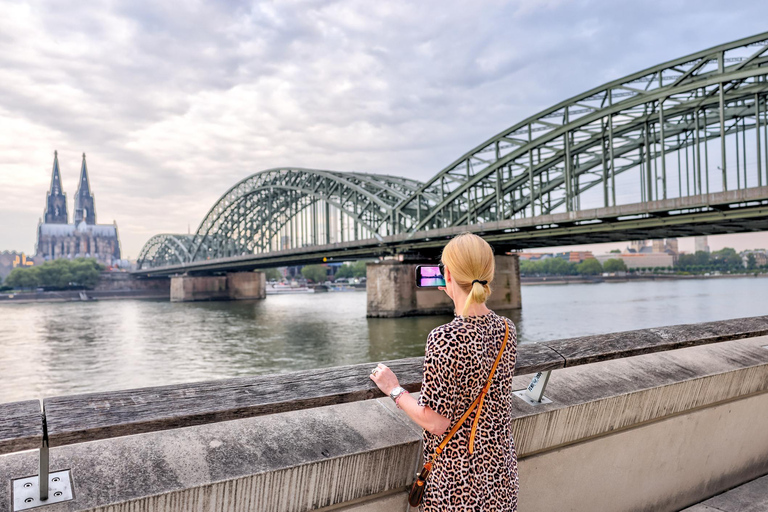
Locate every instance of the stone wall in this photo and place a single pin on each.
(123, 281)
(655, 432)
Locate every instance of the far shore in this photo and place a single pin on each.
(552, 280)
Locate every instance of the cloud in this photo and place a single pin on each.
(175, 102)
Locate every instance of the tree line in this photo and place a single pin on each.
(61, 274)
(561, 267)
(725, 260)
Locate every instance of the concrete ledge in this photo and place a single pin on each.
(302, 460)
(653, 432)
(601, 398)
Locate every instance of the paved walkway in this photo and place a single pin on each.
(750, 497)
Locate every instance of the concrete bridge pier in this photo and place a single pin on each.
(232, 286)
(392, 290)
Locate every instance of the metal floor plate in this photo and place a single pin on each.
(522, 395)
(26, 491)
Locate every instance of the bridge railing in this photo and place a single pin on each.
(67, 420)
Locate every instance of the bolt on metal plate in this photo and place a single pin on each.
(523, 395)
(26, 491)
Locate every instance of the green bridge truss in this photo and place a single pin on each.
(676, 130)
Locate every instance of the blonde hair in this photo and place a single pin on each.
(470, 259)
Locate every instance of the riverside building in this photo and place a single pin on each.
(84, 238)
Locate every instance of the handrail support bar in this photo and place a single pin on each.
(534, 393)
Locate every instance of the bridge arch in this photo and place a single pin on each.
(649, 136)
(289, 207)
(547, 162)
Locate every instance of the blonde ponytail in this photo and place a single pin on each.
(470, 261)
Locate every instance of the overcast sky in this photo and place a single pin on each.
(175, 102)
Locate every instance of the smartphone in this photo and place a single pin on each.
(429, 276)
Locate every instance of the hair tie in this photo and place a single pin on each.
(479, 281)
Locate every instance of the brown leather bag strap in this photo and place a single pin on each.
(485, 390)
(478, 402)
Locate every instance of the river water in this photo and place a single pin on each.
(49, 349)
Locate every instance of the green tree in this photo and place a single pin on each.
(315, 273)
(727, 259)
(558, 267)
(272, 274)
(23, 278)
(359, 269)
(701, 258)
(84, 272)
(589, 267)
(686, 260)
(614, 265)
(615, 251)
(58, 274)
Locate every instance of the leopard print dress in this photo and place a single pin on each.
(458, 359)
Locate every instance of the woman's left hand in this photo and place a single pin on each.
(384, 378)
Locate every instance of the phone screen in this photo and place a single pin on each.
(429, 276)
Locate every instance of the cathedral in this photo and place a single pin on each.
(57, 238)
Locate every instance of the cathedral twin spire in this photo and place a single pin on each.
(56, 201)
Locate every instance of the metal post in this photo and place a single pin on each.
(706, 152)
(722, 124)
(613, 169)
(663, 149)
(698, 151)
(44, 466)
(605, 166)
(648, 173)
(738, 165)
(530, 169)
(534, 393)
(744, 146)
(567, 140)
(757, 141)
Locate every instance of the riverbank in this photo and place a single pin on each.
(542, 280)
(75, 296)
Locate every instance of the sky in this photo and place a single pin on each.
(173, 103)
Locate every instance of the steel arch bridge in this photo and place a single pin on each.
(672, 137)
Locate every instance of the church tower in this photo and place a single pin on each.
(56, 202)
(85, 209)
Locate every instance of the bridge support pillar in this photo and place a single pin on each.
(392, 291)
(233, 286)
(506, 284)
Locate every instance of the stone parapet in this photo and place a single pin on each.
(657, 432)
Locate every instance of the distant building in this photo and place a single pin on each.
(640, 260)
(761, 257)
(535, 256)
(574, 256)
(658, 245)
(56, 238)
(700, 243)
(12, 259)
(671, 246)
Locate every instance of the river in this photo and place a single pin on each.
(49, 349)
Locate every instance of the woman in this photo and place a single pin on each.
(459, 356)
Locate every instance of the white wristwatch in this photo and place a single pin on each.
(395, 393)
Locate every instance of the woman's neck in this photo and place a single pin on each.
(460, 298)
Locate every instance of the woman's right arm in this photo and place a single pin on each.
(423, 416)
